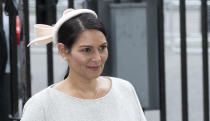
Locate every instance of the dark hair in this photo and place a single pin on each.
(71, 29)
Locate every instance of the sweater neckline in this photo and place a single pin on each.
(81, 99)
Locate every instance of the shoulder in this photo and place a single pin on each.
(121, 84)
(124, 88)
(37, 101)
(34, 108)
(38, 97)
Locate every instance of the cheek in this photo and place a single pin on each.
(77, 60)
(105, 56)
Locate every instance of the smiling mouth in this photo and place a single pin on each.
(94, 68)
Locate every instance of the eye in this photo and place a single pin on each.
(102, 48)
(86, 50)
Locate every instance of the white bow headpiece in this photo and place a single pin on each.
(45, 34)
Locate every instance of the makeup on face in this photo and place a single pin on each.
(89, 54)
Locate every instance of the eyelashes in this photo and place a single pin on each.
(86, 50)
(103, 47)
(89, 50)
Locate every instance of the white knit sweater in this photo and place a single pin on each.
(119, 104)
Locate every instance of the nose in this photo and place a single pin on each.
(96, 57)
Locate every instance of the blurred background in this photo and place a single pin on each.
(160, 46)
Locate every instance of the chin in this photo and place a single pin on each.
(93, 75)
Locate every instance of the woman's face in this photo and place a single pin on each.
(88, 54)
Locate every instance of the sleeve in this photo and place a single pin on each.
(33, 111)
(138, 105)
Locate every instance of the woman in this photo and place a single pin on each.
(83, 95)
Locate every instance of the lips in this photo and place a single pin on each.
(94, 68)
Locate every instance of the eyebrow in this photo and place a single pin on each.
(91, 46)
(85, 46)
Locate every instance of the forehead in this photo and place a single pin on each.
(90, 37)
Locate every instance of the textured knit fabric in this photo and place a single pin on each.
(119, 104)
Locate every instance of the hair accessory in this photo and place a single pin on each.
(45, 34)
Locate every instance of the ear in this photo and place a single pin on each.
(62, 50)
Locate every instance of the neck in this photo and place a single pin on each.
(81, 84)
